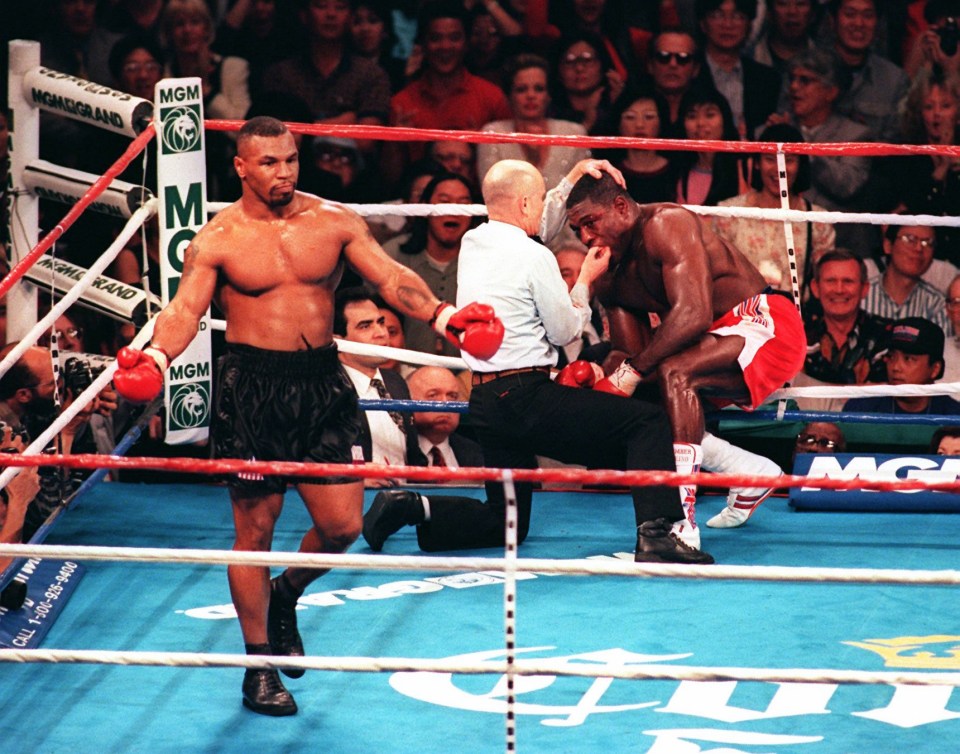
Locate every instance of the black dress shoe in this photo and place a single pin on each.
(391, 511)
(282, 630)
(264, 693)
(13, 595)
(656, 543)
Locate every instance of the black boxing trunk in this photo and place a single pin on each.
(283, 406)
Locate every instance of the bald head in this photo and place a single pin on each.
(513, 191)
(435, 384)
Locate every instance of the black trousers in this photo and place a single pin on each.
(521, 416)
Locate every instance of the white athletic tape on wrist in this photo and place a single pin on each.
(159, 357)
(625, 378)
(440, 325)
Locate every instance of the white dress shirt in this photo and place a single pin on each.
(388, 443)
(445, 450)
(520, 279)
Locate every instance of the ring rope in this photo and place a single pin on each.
(468, 473)
(31, 454)
(524, 666)
(510, 604)
(101, 185)
(571, 567)
(138, 218)
(754, 213)
(402, 133)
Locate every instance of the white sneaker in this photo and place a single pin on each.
(686, 532)
(741, 503)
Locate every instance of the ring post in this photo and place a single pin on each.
(22, 205)
(182, 189)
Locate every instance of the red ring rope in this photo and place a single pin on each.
(398, 133)
(435, 474)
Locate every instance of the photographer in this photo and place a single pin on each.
(939, 43)
(28, 406)
(14, 499)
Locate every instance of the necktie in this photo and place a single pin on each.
(436, 457)
(382, 392)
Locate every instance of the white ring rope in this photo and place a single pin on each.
(755, 213)
(812, 391)
(523, 666)
(138, 218)
(856, 391)
(586, 567)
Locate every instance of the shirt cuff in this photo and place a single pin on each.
(580, 295)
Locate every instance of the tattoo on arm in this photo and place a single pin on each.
(189, 257)
(412, 299)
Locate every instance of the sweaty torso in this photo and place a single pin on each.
(277, 275)
(636, 281)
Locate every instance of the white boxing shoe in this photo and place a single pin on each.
(686, 532)
(741, 503)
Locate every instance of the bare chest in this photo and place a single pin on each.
(633, 284)
(269, 255)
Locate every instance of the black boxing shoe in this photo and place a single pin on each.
(282, 630)
(13, 595)
(391, 511)
(656, 543)
(265, 694)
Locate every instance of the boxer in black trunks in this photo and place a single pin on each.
(272, 261)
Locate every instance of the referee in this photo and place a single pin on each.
(517, 411)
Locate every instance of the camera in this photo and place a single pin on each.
(15, 432)
(78, 375)
(949, 35)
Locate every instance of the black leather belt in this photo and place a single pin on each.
(481, 378)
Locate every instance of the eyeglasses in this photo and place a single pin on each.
(70, 332)
(681, 58)
(952, 301)
(587, 58)
(910, 238)
(135, 68)
(821, 442)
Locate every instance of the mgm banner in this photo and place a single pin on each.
(182, 189)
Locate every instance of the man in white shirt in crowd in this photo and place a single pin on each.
(516, 409)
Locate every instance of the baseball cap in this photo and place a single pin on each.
(917, 335)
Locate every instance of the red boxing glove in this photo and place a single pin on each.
(475, 328)
(139, 376)
(622, 381)
(580, 373)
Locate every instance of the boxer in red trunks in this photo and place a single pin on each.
(723, 334)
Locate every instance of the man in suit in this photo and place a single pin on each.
(439, 443)
(751, 88)
(385, 435)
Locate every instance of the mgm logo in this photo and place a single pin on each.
(182, 129)
(189, 405)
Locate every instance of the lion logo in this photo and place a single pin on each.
(190, 405)
(181, 129)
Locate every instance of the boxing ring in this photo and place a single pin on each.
(765, 652)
